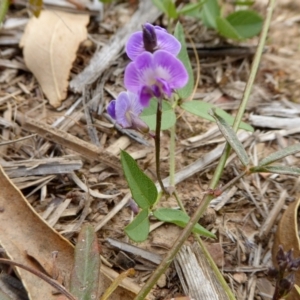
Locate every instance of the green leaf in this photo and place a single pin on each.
(277, 170)
(85, 275)
(244, 3)
(138, 229)
(290, 150)
(168, 115)
(202, 109)
(167, 7)
(4, 4)
(247, 23)
(209, 13)
(187, 90)
(142, 188)
(191, 9)
(231, 138)
(226, 29)
(179, 218)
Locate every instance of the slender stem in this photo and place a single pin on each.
(198, 213)
(233, 181)
(157, 143)
(41, 275)
(215, 269)
(172, 150)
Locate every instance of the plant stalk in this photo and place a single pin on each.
(157, 143)
(204, 204)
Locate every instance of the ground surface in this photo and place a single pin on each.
(239, 219)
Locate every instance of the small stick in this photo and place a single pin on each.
(63, 138)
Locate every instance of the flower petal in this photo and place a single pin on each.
(135, 45)
(169, 68)
(122, 108)
(128, 108)
(111, 109)
(167, 42)
(139, 72)
(145, 95)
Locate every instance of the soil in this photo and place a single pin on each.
(241, 252)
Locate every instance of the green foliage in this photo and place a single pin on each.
(264, 164)
(149, 115)
(167, 7)
(144, 192)
(240, 25)
(210, 11)
(180, 218)
(202, 109)
(142, 188)
(186, 91)
(231, 138)
(85, 275)
(138, 229)
(286, 170)
(191, 9)
(4, 4)
(280, 154)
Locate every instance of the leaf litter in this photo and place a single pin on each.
(246, 217)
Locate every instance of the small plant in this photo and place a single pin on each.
(239, 25)
(284, 274)
(158, 79)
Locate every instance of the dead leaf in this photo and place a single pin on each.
(22, 231)
(28, 239)
(50, 43)
(287, 236)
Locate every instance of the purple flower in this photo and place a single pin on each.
(126, 110)
(152, 38)
(155, 75)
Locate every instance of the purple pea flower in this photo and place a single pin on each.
(152, 38)
(126, 110)
(155, 75)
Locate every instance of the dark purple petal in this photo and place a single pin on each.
(145, 95)
(167, 42)
(139, 73)
(149, 37)
(111, 109)
(169, 68)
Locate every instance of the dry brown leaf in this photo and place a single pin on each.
(50, 43)
(23, 231)
(28, 239)
(287, 236)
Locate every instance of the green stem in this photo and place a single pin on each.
(187, 230)
(172, 151)
(157, 143)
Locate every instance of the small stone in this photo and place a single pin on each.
(162, 281)
(240, 277)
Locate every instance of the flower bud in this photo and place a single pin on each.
(149, 38)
